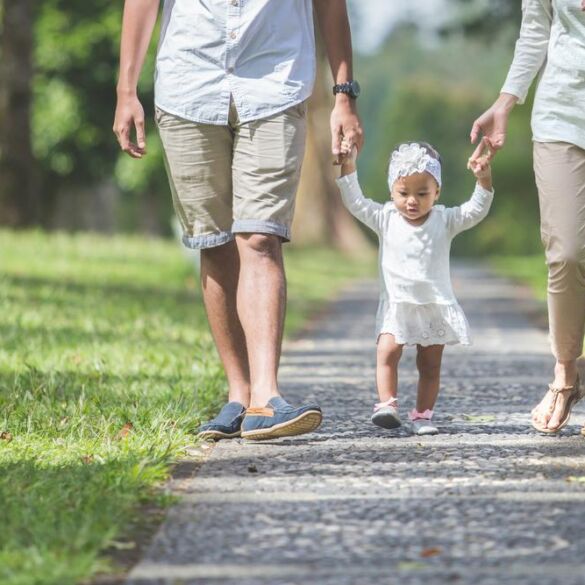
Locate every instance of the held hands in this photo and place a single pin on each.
(347, 157)
(129, 116)
(345, 126)
(493, 123)
(479, 163)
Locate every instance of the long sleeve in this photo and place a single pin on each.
(471, 212)
(367, 211)
(531, 48)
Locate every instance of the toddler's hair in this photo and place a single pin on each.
(429, 148)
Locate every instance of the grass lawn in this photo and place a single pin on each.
(106, 369)
(528, 269)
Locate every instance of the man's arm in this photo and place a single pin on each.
(334, 25)
(137, 26)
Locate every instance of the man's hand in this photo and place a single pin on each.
(493, 124)
(345, 126)
(583, 5)
(129, 117)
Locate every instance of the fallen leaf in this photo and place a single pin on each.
(479, 418)
(433, 551)
(124, 431)
(576, 478)
(6, 436)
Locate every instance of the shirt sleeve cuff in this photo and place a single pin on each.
(515, 90)
(348, 180)
(483, 193)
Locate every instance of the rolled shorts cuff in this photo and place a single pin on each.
(207, 240)
(255, 226)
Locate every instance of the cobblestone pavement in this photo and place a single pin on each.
(488, 501)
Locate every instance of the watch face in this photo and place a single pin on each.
(355, 88)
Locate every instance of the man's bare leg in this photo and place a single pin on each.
(219, 279)
(261, 302)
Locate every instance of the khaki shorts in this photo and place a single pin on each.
(239, 178)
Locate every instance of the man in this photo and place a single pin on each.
(232, 79)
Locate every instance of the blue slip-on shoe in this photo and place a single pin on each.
(226, 425)
(279, 419)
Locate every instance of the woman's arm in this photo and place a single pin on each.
(531, 48)
(137, 26)
(529, 57)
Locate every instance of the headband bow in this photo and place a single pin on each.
(410, 159)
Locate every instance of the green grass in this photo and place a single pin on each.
(98, 332)
(530, 270)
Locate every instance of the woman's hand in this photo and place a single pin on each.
(493, 123)
(479, 163)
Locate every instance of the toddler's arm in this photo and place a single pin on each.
(367, 211)
(476, 209)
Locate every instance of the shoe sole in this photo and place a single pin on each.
(304, 423)
(217, 435)
(429, 432)
(386, 420)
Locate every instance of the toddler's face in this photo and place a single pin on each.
(414, 196)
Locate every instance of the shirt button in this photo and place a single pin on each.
(233, 35)
(230, 69)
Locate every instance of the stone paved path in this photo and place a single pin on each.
(486, 502)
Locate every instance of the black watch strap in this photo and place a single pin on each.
(350, 88)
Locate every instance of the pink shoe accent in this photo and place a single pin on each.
(390, 402)
(414, 414)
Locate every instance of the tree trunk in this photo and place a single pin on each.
(320, 217)
(19, 196)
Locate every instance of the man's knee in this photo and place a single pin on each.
(265, 245)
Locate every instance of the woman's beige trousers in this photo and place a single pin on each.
(560, 177)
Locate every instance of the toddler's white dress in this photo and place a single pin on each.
(417, 304)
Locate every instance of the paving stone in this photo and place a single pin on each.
(488, 501)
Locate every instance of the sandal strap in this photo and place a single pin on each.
(557, 391)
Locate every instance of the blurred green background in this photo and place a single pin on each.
(107, 366)
(427, 69)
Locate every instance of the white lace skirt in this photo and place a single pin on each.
(430, 324)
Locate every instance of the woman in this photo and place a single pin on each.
(552, 44)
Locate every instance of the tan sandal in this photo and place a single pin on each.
(572, 399)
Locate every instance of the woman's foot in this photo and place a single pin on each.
(553, 411)
(386, 414)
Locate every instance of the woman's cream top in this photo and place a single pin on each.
(552, 43)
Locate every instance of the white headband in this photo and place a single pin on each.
(410, 159)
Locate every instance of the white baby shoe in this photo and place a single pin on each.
(422, 422)
(386, 414)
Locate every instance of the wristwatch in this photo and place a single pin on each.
(351, 88)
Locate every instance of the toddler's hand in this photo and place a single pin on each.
(479, 163)
(347, 153)
(347, 157)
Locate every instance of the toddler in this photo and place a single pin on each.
(417, 305)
